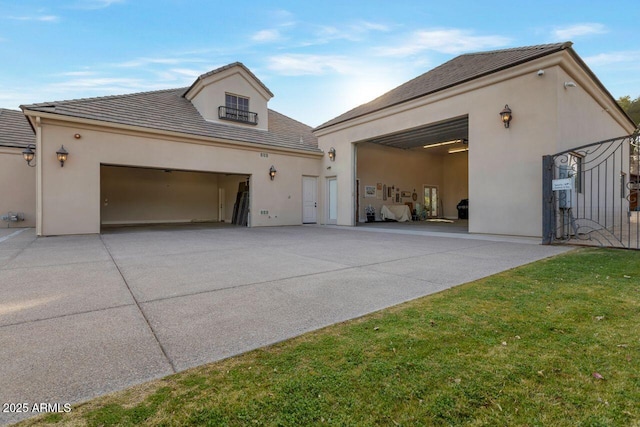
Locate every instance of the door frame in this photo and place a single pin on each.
(328, 204)
(438, 195)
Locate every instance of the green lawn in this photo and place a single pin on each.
(552, 343)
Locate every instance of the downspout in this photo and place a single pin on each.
(38, 129)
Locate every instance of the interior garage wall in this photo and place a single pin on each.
(138, 195)
(18, 188)
(455, 182)
(404, 169)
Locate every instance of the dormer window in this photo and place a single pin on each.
(236, 108)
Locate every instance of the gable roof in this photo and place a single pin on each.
(458, 70)
(168, 110)
(15, 130)
(224, 68)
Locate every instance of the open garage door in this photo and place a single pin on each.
(139, 196)
(425, 169)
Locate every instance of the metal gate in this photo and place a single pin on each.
(590, 194)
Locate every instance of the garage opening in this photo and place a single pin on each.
(418, 177)
(136, 196)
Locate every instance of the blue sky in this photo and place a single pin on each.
(320, 58)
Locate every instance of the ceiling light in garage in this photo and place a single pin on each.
(458, 150)
(440, 144)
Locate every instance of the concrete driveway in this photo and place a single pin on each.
(81, 316)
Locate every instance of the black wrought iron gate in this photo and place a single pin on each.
(590, 194)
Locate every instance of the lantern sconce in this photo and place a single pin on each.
(506, 115)
(332, 154)
(62, 155)
(28, 154)
(272, 172)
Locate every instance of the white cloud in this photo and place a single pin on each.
(301, 64)
(353, 32)
(98, 83)
(578, 30)
(95, 4)
(41, 18)
(371, 26)
(187, 72)
(266, 36)
(450, 41)
(604, 59)
(146, 61)
(77, 74)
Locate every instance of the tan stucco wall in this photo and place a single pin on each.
(504, 164)
(137, 195)
(18, 188)
(71, 195)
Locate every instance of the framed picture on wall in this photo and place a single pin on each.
(369, 191)
(406, 194)
(384, 192)
(397, 197)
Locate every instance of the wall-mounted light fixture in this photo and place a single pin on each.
(506, 115)
(569, 84)
(62, 155)
(28, 154)
(332, 154)
(272, 172)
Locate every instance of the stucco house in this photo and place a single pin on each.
(215, 152)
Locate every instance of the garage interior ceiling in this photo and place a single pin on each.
(456, 128)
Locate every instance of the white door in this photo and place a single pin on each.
(332, 198)
(309, 199)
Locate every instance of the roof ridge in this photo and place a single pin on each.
(9, 110)
(98, 98)
(562, 45)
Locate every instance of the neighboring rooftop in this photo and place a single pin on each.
(460, 69)
(168, 110)
(14, 129)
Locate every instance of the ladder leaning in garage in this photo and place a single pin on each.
(241, 207)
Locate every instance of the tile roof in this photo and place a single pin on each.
(168, 110)
(460, 69)
(15, 130)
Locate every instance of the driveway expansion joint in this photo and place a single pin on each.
(144, 316)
